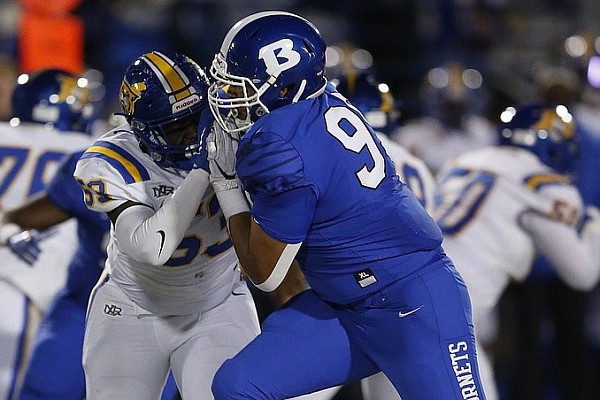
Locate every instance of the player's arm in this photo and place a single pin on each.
(39, 213)
(146, 235)
(44, 211)
(294, 283)
(574, 254)
(150, 236)
(20, 227)
(266, 241)
(266, 251)
(264, 259)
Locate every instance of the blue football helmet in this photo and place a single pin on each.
(53, 97)
(162, 96)
(451, 93)
(267, 60)
(372, 98)
(547, 131)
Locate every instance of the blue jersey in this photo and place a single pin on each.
(317, 174)
(88, 261)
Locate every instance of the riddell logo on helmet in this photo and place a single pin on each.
(185, 103)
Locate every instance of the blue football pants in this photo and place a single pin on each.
(418, 330)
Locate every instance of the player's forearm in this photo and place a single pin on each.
(40, 213)
(575, 257)
(151, 237)
(265, 260)
(239, 231)
(294, 283)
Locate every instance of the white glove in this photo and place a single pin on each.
(221, 155)
(222, 150)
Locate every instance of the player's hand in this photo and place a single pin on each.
(223, 177)
(25, 245)
(221, 157)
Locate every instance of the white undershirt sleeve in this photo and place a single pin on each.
(151, 237)
(575, 256)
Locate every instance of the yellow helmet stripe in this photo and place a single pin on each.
(536, 181)
(172, 78)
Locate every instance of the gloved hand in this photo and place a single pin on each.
(223, 177)
(25, 245)
(221, 158)
(199, 159)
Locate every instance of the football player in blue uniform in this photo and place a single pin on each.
(325, 195)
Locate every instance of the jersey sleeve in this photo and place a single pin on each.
(574, 255)
(268, 164)
(110, 176)
(286, 216)
(555, 197)
(272, 172)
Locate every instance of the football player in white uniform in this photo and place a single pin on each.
(501, 206)
(50, 113)
(454, 100)
(173, 295)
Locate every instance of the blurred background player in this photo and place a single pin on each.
(543, 318)
(172, 295)
(453, 102)
(499, 207)
(50, 115)
(54, 370)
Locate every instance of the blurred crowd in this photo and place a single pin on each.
(450, 67)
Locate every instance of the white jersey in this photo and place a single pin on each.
(194, 279)
(435, 144)
(412, 171)
(483, 196)
(500, 207)
(29, 156)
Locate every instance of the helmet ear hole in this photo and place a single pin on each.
(286, 91)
